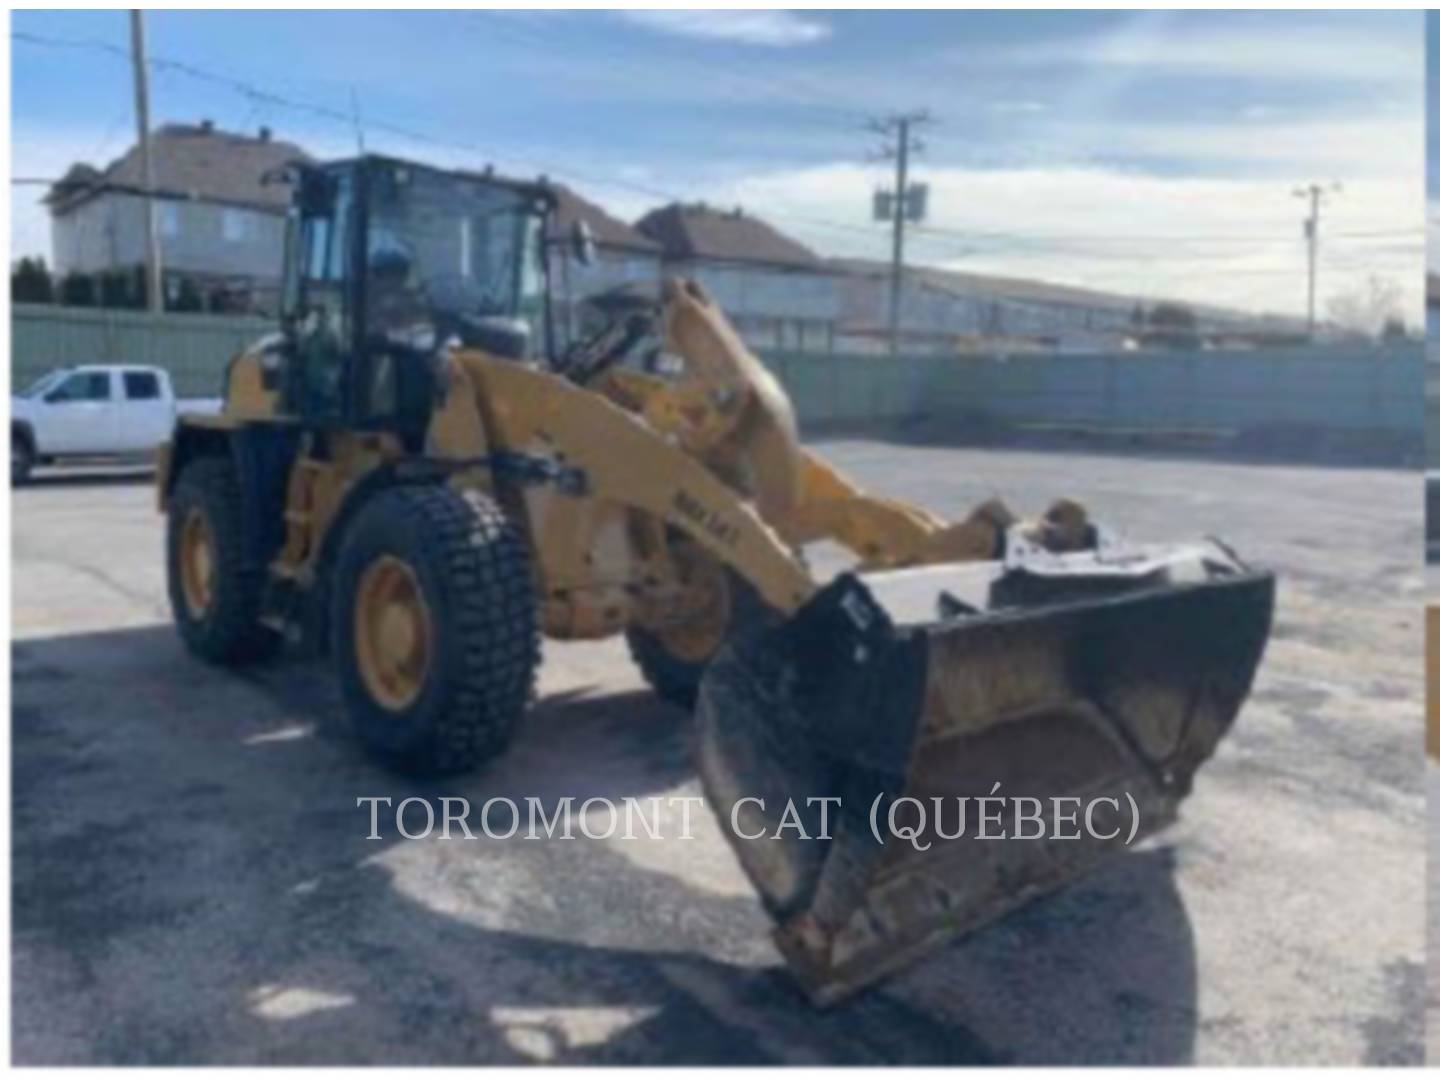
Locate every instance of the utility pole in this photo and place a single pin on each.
(905, 203)
(1315, 195)
(153, 274)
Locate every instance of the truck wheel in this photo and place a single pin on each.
(214, 584)
(22, 459)
(435, 632)
(673, 659)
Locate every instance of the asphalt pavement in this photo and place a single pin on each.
(193, 882)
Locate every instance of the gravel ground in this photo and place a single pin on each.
(193, 882)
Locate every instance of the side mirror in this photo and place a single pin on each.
(582, 243)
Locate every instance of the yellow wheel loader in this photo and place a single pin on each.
(412, 479)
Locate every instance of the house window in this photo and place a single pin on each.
(235, 225)
(169, 215)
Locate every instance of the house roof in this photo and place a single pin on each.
(608, 231)
(190, 161)
(701, 232)
(963, 283)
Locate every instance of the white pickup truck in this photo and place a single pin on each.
(94, 411)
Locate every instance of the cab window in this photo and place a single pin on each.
(82, 386)
(141, 386)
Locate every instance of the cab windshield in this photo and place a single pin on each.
(43, 384)
(447, 256)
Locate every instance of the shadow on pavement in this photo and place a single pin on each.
(193, 883)
(81, 476)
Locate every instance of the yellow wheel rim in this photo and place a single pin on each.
(695, 638)
(393, 632)
(197, 563)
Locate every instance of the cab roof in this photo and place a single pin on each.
(540, 189)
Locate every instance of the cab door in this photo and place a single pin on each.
(319, 298)
(145, 415)
(79, 415)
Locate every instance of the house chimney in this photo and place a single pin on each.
(265, 134)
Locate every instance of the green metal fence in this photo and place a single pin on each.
(1341, 390)
(1344, 390)
(193, 348)
(1432, 410)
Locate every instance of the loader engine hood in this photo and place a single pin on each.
(1101, 678)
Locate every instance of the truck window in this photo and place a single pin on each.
(142, 386)
(82, 386)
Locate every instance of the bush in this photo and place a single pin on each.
(30, 282)
(187, 297)
(77, 290)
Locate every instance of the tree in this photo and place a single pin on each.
(139, 286)
(30, 282)
(187, 297)
(1369, 308)
(117, 289)
(1172, 316)
(1394, 332)
(1172, 326)
(77, 290)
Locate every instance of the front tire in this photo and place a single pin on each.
(214, 585)
(436, 641)
(673, 660)
(22, 460)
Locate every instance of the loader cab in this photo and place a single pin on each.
(388, 264)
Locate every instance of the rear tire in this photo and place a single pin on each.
(22, 460)
(436, 641)
(214, 584)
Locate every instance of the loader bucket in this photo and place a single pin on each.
(1092, 686)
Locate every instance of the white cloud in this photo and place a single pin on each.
(1018, 107)
(752, 27)
(1235, 242)
(1261, 111)
(1361, 47)
(1339, 147)
(1432, 232)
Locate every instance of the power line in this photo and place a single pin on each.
(346, 117)
(929, 234)
(1195, 238)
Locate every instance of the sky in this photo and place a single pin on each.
(1149, 153)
